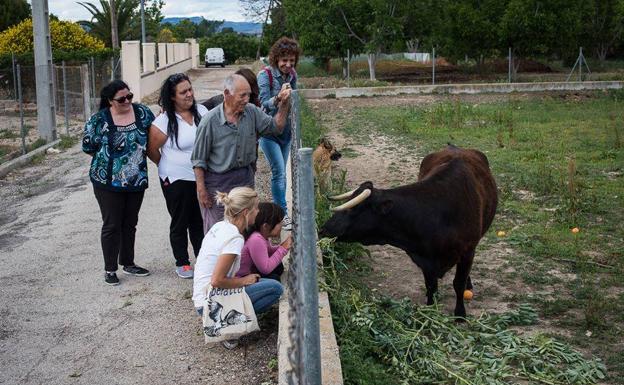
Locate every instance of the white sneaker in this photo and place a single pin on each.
(287, 223)
(229, 344)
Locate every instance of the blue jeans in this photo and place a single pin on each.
(277, 156)
(263, 294)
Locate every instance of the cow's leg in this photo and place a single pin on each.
(431, 283)
(468, 283)
(462, 274)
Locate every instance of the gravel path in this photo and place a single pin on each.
(59, 322)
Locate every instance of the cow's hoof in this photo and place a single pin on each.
(468, 295)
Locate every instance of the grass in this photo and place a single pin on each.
(559, 165)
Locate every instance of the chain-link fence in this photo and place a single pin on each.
(303, 333)
(427, 68)
(76, 91)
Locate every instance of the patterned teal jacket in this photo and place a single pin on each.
(119, 162)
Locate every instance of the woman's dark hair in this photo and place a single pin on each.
(269, 213)
(253, 84)
(165, 100)
(284, 47)
(108, 92)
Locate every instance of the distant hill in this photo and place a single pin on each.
(238, 26)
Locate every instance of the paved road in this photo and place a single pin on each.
(59, 322)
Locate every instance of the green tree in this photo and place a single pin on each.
(235, 46)
(319, 28)
(185, 29)
(153, 17)
(100, 23)
(603, 26)
(375, 24)
(165, 36)
(537, 27)
(12, 12)
(206, 28)
(470, 28)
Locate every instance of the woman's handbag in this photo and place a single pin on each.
(228, 314)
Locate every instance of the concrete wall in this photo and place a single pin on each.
(149, 57)
(146, 79)
(458, 89)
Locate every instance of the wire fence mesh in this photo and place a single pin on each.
(76, 89)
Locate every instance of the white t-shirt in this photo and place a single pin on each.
(175, 163)
(222, 238)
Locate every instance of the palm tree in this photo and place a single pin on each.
(100, 23)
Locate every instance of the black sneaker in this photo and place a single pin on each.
(136, 270)
(111, 278)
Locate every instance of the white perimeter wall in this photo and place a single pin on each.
(147, 78)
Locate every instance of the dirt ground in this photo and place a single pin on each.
(388, 162)
(61, 324)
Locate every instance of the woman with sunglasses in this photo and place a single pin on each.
(281, 74)
(116, 138)
(170, 144)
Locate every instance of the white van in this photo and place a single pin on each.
(215, 56)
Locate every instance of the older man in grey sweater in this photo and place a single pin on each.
(225, 145)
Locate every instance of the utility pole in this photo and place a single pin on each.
(114, 34)
(143, 22)
(46, 111)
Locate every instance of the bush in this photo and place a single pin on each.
(65, 35)
(234, 46)
(70, 57)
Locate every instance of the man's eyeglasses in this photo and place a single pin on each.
(122, 99)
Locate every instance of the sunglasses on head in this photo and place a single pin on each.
(177, 77)
(288, 45)
(122, 99)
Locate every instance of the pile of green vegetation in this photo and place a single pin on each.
(385, 341)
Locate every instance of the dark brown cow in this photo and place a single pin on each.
(438, 221)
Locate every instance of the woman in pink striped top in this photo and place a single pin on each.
(258, 254)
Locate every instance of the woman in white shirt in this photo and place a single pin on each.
(220, 255)
(170, 144)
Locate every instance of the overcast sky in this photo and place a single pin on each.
(210, 9)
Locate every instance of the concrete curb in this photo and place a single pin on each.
(330, 93)
(25, 159)
(331, 369)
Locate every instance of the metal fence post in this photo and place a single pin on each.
(433, 60)
(311, 354)
(13, 61)
(21, 108)
(65, 98)
(92, 76)
(112, 68)
(348, 67)
(580, 64)
(86, 91)
(510, 65)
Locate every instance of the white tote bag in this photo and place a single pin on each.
(228, 314)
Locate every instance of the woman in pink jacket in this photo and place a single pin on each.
(258, 254)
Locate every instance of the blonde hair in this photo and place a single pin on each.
(237, 200)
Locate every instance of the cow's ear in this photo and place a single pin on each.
(384, 206)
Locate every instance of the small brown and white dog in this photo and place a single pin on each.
(322, 157)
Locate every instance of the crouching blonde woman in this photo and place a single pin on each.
(220, 254)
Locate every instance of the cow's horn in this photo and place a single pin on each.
(354, 202)
(342, 196)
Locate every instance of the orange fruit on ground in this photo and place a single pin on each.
(575, 230)
(501, 233)
(468, 295)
